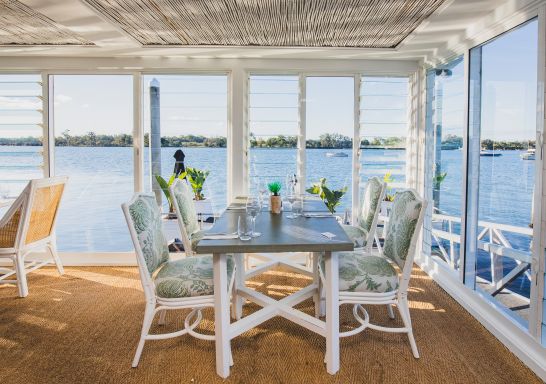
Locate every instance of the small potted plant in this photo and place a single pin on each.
(275, 201)
(197, 178)
(386, 204)
(331, 198)
(164, 184)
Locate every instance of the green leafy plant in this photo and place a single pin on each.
(164, 184)
(438, 179)
(274, 188)
(331, 198)
(197, 178)
(389, 196)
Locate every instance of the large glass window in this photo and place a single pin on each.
(273, 122)
(445, 129)
(187, 113)
(93, 124)
(21, 157)
(329, 130)
(502, 133)
(384, 130)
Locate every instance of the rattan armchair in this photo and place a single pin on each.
(29, 225)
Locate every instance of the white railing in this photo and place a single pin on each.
(491, 239)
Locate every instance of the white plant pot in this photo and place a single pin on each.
(386, 207)
(170, 228)
(204, 208)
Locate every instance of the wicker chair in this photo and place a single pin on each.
(29, 225)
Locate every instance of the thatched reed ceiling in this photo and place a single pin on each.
(297, 23)
(20, 25)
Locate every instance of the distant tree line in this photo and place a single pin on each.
(325, 141)
(455, 142)
(507, 145)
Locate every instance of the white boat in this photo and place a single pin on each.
(529, 155)
(336, 154)
(489, 153)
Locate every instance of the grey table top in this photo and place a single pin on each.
(279, 234)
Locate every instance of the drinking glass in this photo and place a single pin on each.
(297, 206)
(253, 208)
(264, 193)
(243, 228)
(4, 192)
(291, 198)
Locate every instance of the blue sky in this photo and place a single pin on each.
(198, 104)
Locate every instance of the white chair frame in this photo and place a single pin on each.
(20, 251)
(397, 297)
(155, 304)
(183, 233)
(373, 228)
(242, 262)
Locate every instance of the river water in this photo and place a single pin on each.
(101, 178)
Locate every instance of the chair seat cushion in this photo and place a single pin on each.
(357, 235)
(360, 272)
(188, 277)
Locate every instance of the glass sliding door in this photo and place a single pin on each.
(185, 119)
(384, 130)
(502, 134)
(93, 125)
(21, 132)
(329, 131)
(444, 144)
(273, 123)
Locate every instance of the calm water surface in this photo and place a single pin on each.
(101, 179)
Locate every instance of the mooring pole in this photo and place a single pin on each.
(155, 139)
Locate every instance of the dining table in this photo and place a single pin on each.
(316, 232)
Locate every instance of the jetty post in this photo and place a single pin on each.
(155, 139)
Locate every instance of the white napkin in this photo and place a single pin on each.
(219, 237)
(310, 215)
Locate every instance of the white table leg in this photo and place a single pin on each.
(239, 283)
(316, 281)
(332, 312)
(221, 315)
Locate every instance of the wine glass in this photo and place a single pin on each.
(262, 189)
(253, 208)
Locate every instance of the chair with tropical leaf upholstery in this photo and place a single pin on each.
(362, 233)
(383, 279)
(188, 222)
(28, 226)
(168, 284)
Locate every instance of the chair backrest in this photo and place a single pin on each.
(11, 223)
(402, 232)
(145, 226)
(31, 218)
(374, 192)
(182, 197)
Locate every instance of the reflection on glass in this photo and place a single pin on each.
(329, 131)
(93, 125)
(502, 120)
(189, 115)
(273, 128)
(21, 157)
(445, 128)
(384, 130)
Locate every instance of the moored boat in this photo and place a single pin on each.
(336, 154)
(529, 155)
(490, 153)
